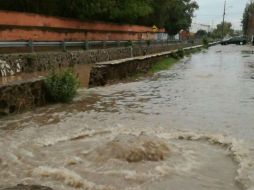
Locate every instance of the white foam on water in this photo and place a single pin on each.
(133, 188)
(164, 170)
(73, 161)
(130, 175)
(81, 133)
(68, 177)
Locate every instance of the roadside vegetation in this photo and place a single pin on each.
(61, 86)
(163, 64)
(216, 34)
(205, 42)
(249, 10)
(173, 58)
(226, 28)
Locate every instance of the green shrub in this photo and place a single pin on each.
(61, 86)
(174, 55)
(205, 42)
(188, 52)
(180, 53)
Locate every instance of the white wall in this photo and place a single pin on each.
(197, 26)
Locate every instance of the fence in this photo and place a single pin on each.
(86, 45)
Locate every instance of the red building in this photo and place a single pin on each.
(184, 35)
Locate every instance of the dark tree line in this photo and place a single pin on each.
(249, 10)
(173, 15)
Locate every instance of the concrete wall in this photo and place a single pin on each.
(105, 74)
(24, 26)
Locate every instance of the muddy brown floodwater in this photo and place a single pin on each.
(190, 127)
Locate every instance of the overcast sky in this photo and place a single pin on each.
(211, 11)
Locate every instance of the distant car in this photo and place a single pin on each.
(239, 40)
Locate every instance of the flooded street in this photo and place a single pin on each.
(190, 127)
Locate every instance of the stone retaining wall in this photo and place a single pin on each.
(17, 97)
(14, 64)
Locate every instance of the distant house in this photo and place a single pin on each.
(161, 36)
(184, 35)
(197, 26)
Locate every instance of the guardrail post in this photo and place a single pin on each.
(64, 46)
(30, 44)
(86, 45)
(140, 43)
(118, 43)
(131, 51)
(104, 44)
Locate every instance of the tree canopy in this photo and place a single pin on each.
(249, 9)
(173, 15)
(217, 33)
(201, 33)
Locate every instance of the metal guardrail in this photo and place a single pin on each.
(84, 44)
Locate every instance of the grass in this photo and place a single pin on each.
(170, 61)
(163, 64)
(159, 66)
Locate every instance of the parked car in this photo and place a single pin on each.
(240, 40)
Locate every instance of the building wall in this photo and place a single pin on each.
(184, 35)
(197, 26)
(161, 36)
(17, 34)
(24, 26)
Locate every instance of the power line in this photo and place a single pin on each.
(217, 15)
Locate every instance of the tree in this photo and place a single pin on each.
(48, 7)
(180, 15)
(173, 15)
(217, 33)
(249, 9)
(120, 11)
(201, 33)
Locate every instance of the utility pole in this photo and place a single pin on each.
(223, 21)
